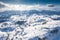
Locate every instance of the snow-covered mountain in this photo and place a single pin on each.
(29, 25)
(29, 22)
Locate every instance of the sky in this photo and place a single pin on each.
(31, 1)
(22, 5)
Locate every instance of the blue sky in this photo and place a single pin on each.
(11, 5)
(32, 1)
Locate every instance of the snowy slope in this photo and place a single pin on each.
(27, 27)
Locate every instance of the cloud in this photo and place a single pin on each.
(50, 5)
(21, 7)
(1, 6)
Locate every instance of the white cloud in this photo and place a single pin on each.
(21, 7)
